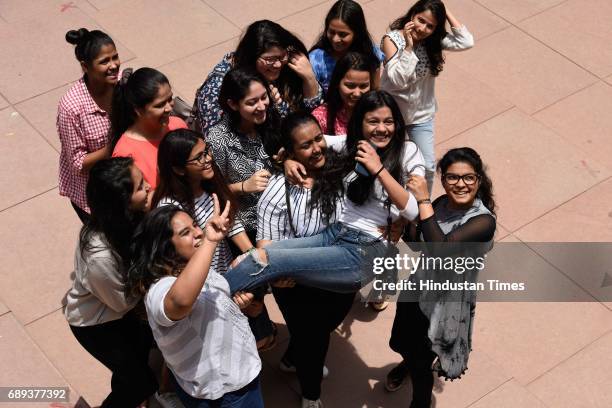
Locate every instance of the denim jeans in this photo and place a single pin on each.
(339, 259)
(248, 396)
(423, 135)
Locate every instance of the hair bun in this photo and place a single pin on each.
(76, 37)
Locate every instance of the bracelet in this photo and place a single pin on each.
(381, 169)
(242, 187)
(248, 251)
(424, 201)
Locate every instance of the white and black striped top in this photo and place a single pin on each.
(204, 207)
(272, 217)
(210, 352)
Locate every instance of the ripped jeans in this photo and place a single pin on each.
(339, 259)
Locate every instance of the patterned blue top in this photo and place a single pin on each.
(207, 97)
(323, 64)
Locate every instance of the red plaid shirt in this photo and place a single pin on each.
(83, 128)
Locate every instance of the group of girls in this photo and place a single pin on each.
(298, 173)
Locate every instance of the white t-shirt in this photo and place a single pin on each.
(373, 213)
(212, 351)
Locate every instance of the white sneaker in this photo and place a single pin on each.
(306, 403)
(287, 367)
(168, 400)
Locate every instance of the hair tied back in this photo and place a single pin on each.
(79, 36)
(125, 75)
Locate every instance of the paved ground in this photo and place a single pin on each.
(533, 97)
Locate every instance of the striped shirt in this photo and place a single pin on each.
(272, 215)
(210, 352)
(204, 207)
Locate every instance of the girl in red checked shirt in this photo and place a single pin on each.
(83, 114)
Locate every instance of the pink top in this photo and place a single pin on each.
(320, 113)
(144, 152)
(83, 128)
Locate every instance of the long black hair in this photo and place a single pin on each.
(471, 157)
(258, 38)
(391, 156)
(235, 86)
(88, 43)
(153, 253)
(433, 43)
(328, 186)
(351, 60)
(172, 155)
(109, 191)
(135, 90)
(351, 14)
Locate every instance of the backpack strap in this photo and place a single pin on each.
(289, 215)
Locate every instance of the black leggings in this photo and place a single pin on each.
(409, 338)
(311, 315)
(123, 347)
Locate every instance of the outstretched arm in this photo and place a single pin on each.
(185, 290)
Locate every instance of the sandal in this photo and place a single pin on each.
(379, 306)
(396, 377)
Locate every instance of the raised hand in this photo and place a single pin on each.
(294, 171)
(257, 182)
(218, 225)
(275, 94)
(367, 156)
(417, 185)
(301, 65)
(408, 29)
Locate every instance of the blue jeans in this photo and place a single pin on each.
(248, 396)
(339, 259)
(423, 135)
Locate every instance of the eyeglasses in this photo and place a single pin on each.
(273, 60)
(468, 179)
(201, 158)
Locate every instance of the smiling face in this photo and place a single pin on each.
(140, 201)
(104, 68)
(156, 114)
(199, 165)
(379, 127)
(340, 36)
(187, 236)
(352, 86)
(271, 63)
(252, 107)
(309, 145)
(424, 25)
(461, 195)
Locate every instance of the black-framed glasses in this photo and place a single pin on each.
(201, 158)
(468, 179)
